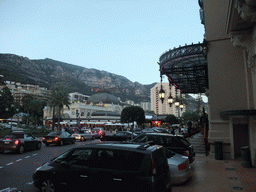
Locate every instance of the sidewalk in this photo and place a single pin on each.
(210, 175)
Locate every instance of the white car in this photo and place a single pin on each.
(179, 168)
(83, 135)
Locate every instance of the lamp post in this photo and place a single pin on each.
(161, 92)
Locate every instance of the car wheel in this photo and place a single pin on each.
(39, 145)
(47, 185)
(82, 139)
(47, 144)
(61, 143)
(21, 149)
(93, 138)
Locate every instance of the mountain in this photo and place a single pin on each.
(48, 73)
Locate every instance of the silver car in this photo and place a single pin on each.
(83, 135)
(179, 168)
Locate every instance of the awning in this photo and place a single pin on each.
(186, 68)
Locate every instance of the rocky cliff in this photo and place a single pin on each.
(48, 73)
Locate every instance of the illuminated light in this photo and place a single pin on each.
(8, 139)
(56, 138)
(16, 142)
(43, 138)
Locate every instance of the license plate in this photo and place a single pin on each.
(49, 141)
(6, 142)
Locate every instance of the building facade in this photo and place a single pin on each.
(230, 34)
(164, 108)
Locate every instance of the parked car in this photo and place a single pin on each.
(175, 143)
(97, 167)
(161, 130)
(19, 141)
(137, 130)
(179, 168)
(59, 138)
(98, 131)
(83, 135)
(119, 136)
(148, 130)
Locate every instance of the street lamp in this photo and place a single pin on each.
(161, 92)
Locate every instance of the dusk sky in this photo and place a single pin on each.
(125, 37)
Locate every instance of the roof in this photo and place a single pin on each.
(124, 146)
(186, 68)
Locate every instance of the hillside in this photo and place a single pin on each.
(48, 73)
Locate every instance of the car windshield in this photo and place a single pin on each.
(61, 157)
(55, 133)
(14, 135)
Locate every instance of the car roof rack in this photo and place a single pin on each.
(145, 145)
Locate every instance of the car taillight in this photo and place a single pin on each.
(8, 139)
(43, 138)
(186, 153)
(182, 166)
(99, 132)
(56, 138)
(16, 142)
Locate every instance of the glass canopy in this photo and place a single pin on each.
(186, 68)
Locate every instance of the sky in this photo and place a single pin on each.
(124, 37)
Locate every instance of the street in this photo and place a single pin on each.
(16, 170)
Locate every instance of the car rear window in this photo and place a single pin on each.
(183, 140)
(14, 135)
(55, 133)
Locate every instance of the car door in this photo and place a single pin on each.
(102, 165)
(124, 176)
(76, 173)
(29, 141)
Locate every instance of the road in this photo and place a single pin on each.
(16, 170)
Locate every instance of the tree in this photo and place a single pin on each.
(171, 119)
(58, 98)
(193, 116)
(131, 114)
(6, 102)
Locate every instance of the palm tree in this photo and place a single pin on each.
(58, 98)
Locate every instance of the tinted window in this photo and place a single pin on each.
(170, 142)
(14, 135)
(183, 140)
(157, 139)
(130, 161)
(80, 157)
(55, 133)
(141, 138)
(118, 160)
